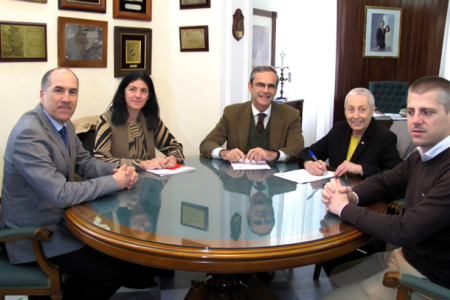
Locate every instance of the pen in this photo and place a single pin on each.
(314, 157)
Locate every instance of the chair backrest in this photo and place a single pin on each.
(390, 96)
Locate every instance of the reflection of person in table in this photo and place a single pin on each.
(360, 145)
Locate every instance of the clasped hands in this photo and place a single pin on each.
(255, 154)
(335, 196)
(320, 167)
(125, 176)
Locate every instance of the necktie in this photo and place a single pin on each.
(64, 137)
(260, 124)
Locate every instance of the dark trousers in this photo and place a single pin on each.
(94, 275)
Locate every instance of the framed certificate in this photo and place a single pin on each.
(23, 42)
(83, 5)
(132, 50)
(194, 38)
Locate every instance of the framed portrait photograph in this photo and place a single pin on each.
(133, 9)
(194, 216)
(194, 38)
(132, 50)
(83, 5)
(82, 43)
(189, 4)
(382, 32)
(23, 42)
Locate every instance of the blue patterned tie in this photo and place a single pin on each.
(64, 137)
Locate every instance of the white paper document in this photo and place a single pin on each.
(175, 170)
(302, 176)
(250, 165)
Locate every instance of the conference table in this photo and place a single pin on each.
(220, 221)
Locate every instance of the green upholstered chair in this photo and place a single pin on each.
(390, 96)
(42, 279)
(408, 284)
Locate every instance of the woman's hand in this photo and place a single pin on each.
(349, 167)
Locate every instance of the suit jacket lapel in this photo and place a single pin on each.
(243, 123)
(365, 141)
(276, 126)
(56, 137)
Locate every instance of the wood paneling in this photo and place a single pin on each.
(421, 40)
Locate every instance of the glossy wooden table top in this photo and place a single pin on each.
(217, 220)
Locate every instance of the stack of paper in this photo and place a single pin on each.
(302, 176)
(175, 170)
(250, 165)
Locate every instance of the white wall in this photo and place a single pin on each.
(191, 87)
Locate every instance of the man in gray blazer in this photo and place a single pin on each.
(39, 164)
(274, 136)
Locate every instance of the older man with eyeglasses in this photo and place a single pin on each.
(257, 130)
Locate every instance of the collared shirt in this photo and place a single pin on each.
(437, 149)
(57, 125)
(283, 156)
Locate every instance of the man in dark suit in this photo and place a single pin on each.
(259, 129)
(380, 36)
(359, 145)
(41, 156)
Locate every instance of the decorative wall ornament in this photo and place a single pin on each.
(238, 24)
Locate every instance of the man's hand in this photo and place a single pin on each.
(259, 154)
(349, 167)
(232, 155)
(315, 167)
(125, 176)
(335, 196)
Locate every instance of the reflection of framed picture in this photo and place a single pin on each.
(132, 50)
(264, 37)
(83, 5)
(194, 38)
(195, 216)
(382, 32)
(23, 42)
(187, 4)
(133, 9)
(82, 43)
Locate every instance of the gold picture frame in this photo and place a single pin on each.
(82, 43)
(23, 42)
(132, 50)
(194, 38)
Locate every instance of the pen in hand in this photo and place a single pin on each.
(315, 159)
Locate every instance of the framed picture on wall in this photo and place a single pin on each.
(194, 38)
(82, 43)
(23, 42)
(382, 32)
(133, 9)
(132, 50)
(188, 4)
(264, 38)
(83, 5)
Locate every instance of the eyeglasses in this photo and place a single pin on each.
(262, 85)
(133, 90)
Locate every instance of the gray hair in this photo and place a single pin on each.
(260, 69)
(430, 84)
(362, 92)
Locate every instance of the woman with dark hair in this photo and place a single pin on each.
(128, 132)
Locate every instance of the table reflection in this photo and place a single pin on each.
(216, 206)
